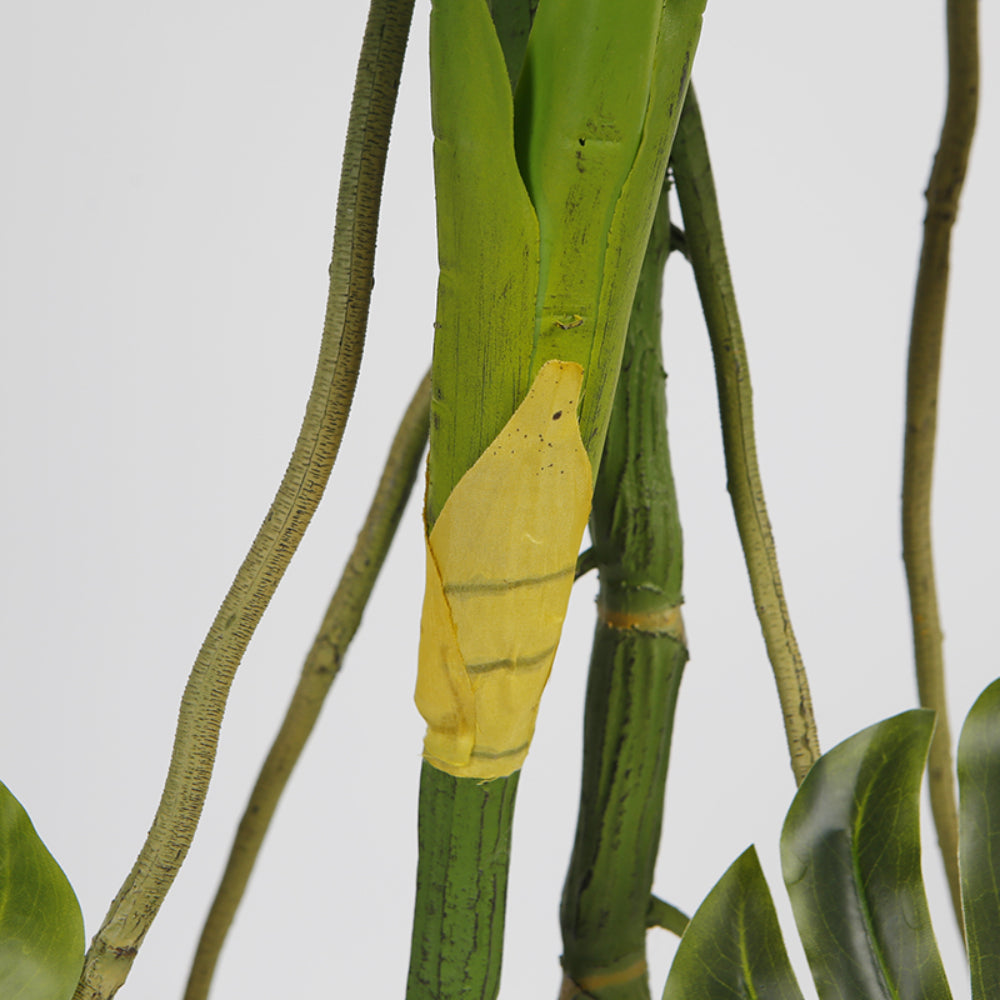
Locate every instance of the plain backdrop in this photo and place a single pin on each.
(167, 190)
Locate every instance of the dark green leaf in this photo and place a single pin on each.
(733, 947)
(41, 928)
(979, 839)
(850, 851)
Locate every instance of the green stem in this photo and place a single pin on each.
(464, 825)
(703, 232)
(586, 561)
(926, 334)
(635, 670)
(458, 923)
(116, 943)
(666, 915)
(322, 664)
(524, 280)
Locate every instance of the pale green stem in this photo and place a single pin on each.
(117, 942)
(926, 333)
(707, 252)
(322, 664)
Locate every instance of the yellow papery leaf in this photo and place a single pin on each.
(500, 565)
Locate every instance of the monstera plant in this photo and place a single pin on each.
(566, 134)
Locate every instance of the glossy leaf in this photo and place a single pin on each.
(979, 839)
(41, 927)
(733, 947)
(850, 850)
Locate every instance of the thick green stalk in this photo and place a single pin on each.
(458, 925)
(635, 670)
(540, 248)
(464, 826)
(595, 114)
(322, 664)
(522, 283)
(117, 942)
(707, 253)
(926, 334)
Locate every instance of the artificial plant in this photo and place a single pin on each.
(503, 190)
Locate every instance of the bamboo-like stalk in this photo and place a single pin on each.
(635, 670)
(458, 920)
(926, 334)
(322, 664)
(117, 942)
(464, 825)
(707, 252)
(539, 257)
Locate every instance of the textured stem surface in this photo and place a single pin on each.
(707, 252)
(539, 257)
(464, 825)
(117, 942)
(458, 922)
(322, 664)
(635, 669)
(926, 334)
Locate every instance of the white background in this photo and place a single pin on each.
(168, 184)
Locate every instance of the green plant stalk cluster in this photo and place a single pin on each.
(635, 670)
(117, 941)
(706, 250)
(509, 299)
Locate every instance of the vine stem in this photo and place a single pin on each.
(322, 664)
(707, 253)
(132, 911)
(923, 374)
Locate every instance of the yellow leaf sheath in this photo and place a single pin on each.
(500, 565)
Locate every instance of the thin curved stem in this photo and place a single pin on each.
(116, 943)
(703, 232)
(926, 334)
(666, 915)
(322, 664)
